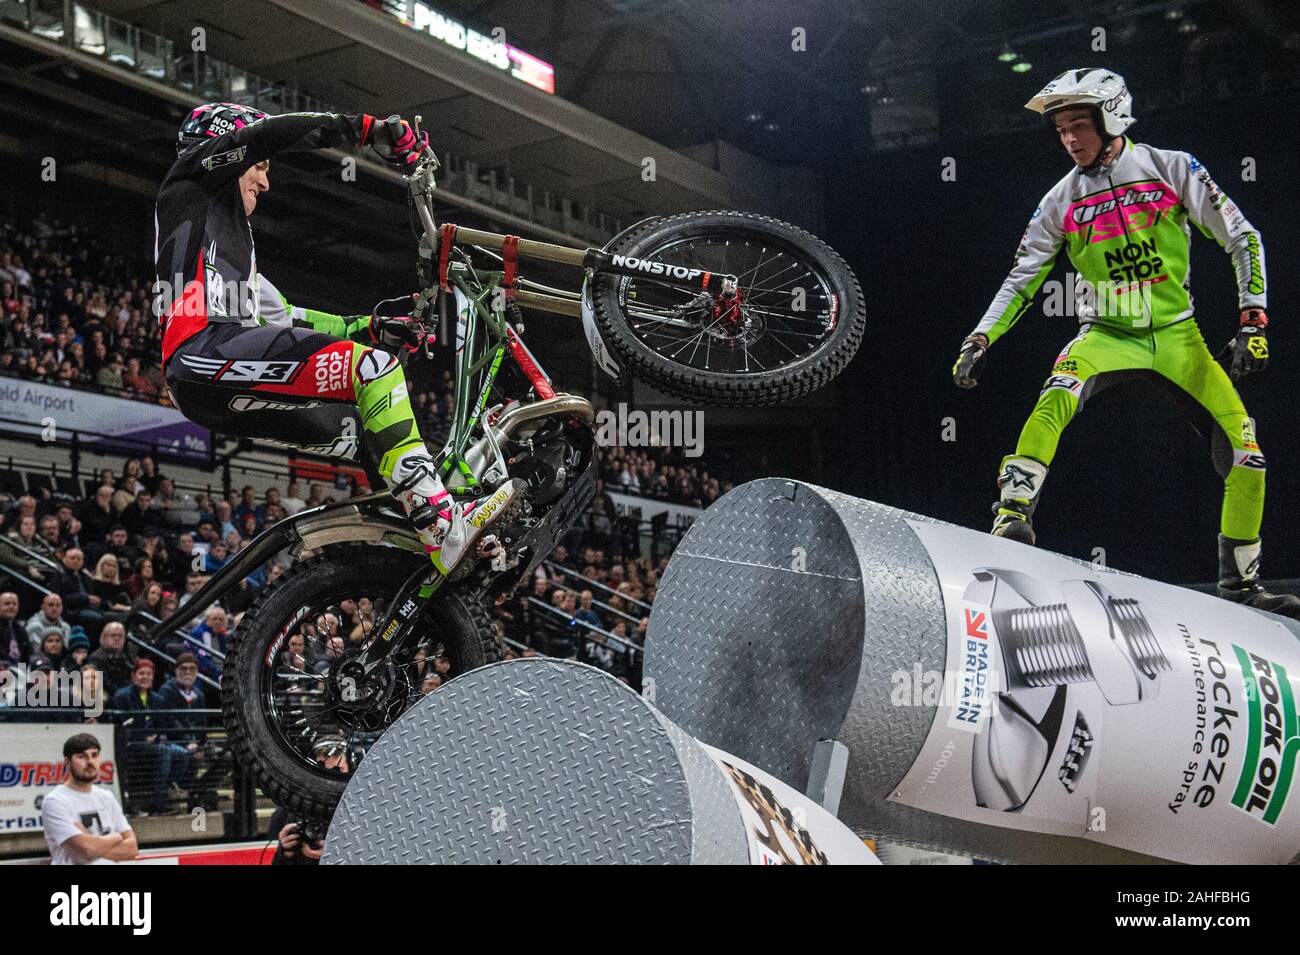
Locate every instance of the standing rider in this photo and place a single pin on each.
(239, 359)
(1122, 215)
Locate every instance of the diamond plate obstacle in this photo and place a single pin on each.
(549, 761)
(788, 613)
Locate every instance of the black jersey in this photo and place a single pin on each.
(203, 247)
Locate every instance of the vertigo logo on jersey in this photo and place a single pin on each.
(1128, 208)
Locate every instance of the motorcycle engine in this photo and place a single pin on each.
(547, 461)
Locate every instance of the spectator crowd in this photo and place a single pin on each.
(127, 557)
(74, 314)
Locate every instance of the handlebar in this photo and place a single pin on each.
(394, 126)
(421, 183)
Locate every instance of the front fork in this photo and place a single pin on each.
(398, 622)
(477, 364)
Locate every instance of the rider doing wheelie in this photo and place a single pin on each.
(240, 360)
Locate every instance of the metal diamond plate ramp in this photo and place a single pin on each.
(778, 622)
(536, 761)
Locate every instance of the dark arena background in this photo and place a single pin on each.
(744, 577)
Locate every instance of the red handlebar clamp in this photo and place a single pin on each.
(510, 268)
(446, 238)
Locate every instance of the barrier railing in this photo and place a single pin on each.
(587, 582)
(625, 646)
(15, 564)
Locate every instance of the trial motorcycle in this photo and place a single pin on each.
(722, 308)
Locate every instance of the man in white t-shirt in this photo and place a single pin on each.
(83, 823)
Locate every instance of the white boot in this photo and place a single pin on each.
(450, 529)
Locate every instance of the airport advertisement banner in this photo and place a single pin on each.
(48, 410)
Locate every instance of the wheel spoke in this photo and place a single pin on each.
(758, 332)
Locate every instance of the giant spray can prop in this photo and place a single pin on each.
(996, 700)
(552, 761)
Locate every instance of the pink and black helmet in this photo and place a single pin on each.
(215, 119)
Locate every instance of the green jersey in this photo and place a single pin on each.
(1126, 228)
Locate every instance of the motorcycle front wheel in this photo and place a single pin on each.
(796, 320)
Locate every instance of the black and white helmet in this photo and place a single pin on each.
(1104, 92)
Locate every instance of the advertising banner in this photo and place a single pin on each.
(1105, 706)
(679, 515)
(37, 409)
(31, 764)
(785, 827)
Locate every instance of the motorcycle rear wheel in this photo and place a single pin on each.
(284, 726)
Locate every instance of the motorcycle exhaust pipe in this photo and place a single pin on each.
(514, 420)
(996, 700)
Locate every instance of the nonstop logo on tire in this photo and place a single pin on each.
(655, 268)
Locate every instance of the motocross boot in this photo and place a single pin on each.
(1020, 480)
(1239, 579)
(451, 530)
